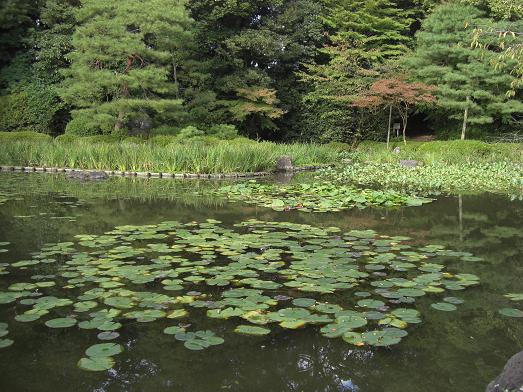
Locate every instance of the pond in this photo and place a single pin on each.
(190, 292)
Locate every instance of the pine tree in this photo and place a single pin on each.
(468, 87)
(363, 37)
(124, 62)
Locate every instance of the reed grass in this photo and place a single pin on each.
(220, 157)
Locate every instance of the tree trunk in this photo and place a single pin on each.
(465, 119)
(390, 123)
(119, 125)
(175, 77)
(404, 130)
(405, 119)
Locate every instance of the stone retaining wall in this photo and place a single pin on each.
(32, 169)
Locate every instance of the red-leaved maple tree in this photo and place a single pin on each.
(396, 93)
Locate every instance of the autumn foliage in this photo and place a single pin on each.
(398, 94)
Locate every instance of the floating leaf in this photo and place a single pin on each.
(444, 306)
(104, 350)
(251, 330)
(96, 364)
(65, 322)
(511, 312)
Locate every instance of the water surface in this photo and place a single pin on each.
(454, 351)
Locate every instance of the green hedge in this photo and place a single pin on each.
(24, 136)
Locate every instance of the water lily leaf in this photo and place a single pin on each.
(303, 302)
(293, 324)
(511, 312)
(515, 296)
(65, 322)
(178, 313)
(96, 364)
(453, 300)
(108, 335)
(173, 330)
(104, 350)
(252, 330)
(371, 303)
(6, 343)
(444, 306)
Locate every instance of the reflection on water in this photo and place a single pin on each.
(456, 351)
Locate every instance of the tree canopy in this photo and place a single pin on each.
(268, 69)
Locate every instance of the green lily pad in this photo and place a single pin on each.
(252, 330)
(511, 312)
(104, 350)
(444, 306)
(96, 364)
(173, 330)
(65, 322)
(303, 302)
(108, 335)
(6, 343)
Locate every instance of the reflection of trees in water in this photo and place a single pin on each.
(458, 351)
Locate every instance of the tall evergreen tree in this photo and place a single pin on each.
(124, 62)
(256, 46)
(363, 37)
(469, 89)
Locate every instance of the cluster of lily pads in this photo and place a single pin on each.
(357, 285)
(322, 196)
(4, 342)
(512, 312)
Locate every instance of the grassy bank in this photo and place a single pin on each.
(160, 156)
(450, 167)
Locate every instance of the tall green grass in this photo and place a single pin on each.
(441, 152)
(220, 157)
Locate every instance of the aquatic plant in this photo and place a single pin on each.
(325, 196)
(266, 275)
(220, 157)
(501, 177)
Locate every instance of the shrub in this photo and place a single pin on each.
(190, 132)
(134, 139)
(224, 131)
(201, 140)
(162, 140)
(33, 107)
(339, 146)
(167, 130)
(24, 136)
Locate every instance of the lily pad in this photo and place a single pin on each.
(252, 330)
(511, 312)
(96, 364)
(104, 350)
(65, 322)
(444, 306)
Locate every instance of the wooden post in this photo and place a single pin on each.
(388, 130)
(465, 119)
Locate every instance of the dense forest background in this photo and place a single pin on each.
(288, 70)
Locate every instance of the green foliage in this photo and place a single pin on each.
(366, 34)
(451, 167)
(122, 57)
(33, 107)
(469, 90)
(274, 69)
(322, 196)
(162, 154)
(224, 131)
(25, 136)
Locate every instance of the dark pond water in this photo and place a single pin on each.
(449, 351)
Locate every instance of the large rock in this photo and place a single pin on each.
(409, 163)
(511, 378)
(284, 164)
(88, 175)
